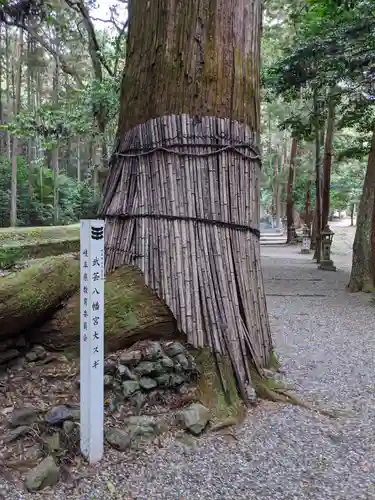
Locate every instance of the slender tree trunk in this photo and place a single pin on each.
(327, 159)
(17, 104)
(31, 142)
(79, 159)
(308, 204)
(2, 133)
(9, 89)
(362, 276)
(289, 195)
(55, 151)
(318, 220)
(279, 193)
(352, 208)
(275, 194)
(192, 77)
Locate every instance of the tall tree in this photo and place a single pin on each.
(191, 87)
(327, 158)
(362, 276)
(17, 107)
(289, 197)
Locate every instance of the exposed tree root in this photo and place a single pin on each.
(267, 388)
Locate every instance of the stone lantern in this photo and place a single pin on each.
(325, 262)
(306, 240)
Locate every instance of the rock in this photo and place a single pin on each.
(140, 426)
(53, 442)
(23, 416)
(109, 368)
(147, 383)
(59, 414)
(16, 433)
(108, 381)
(34, 452)
(193, 368)
(166, 363)
(125, 373)
(188, 442)
(153, 352)
(176, 380)
(173, 349)
(131, 358)
(182, 360)
(146, 368)
(138, 400)
(37, 352)
(164, 380)
(130, 387)
(119, 440)
(69, 426)
(8, 355)
(45, 474)
(17, 363)
(194, 418)
(170, 380)
(251, 395)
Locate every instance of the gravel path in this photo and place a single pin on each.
(326, 342)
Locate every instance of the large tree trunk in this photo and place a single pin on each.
(289, 196)
(28, 296)
(190, 91)
(327, 160)
(132, 313)
(362, 276)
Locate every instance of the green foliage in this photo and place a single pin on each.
(76, 199)
(8, 257)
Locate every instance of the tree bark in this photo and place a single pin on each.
(362, 277)
(192, 57)
(327, 160)
(28, 296)
(194, 68)
(289, 197)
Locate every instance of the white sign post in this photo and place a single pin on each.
(92, 339)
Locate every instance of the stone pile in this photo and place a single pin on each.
(52, 437)
(155, 366)
(17, 351)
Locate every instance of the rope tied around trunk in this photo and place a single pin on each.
(214, 222)
(170, 149)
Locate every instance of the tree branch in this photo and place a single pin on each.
(98, 60)
(67, 68)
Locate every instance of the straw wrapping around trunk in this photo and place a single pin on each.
(181, 202)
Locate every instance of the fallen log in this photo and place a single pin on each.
(28, 296)
(131, 313)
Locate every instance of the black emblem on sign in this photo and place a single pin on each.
(97, 233)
